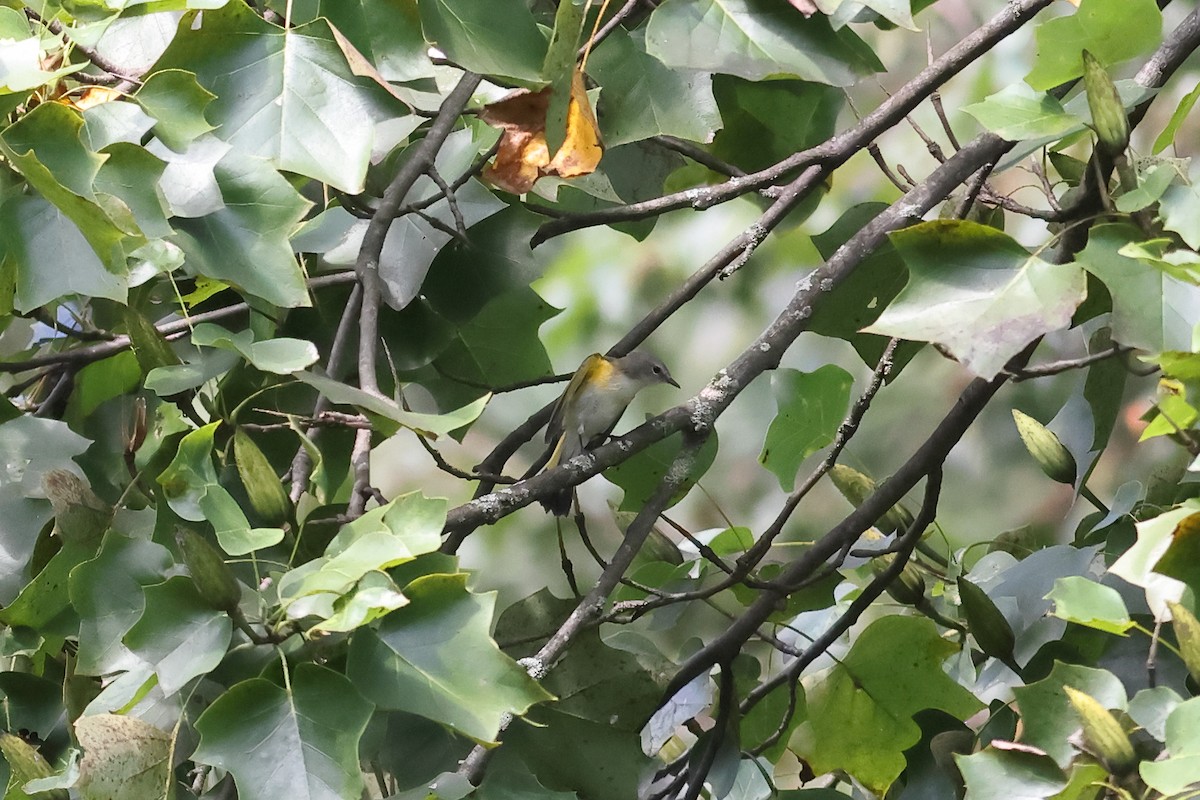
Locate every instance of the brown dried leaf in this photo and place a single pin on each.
(523, 156)
(90, 97)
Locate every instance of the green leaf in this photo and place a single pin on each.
(281, 356)
(131, 174)
(994, 774)
(177, 103)
(640, 475)
(1047, 714)
(763, 123)
(1180, 769)
(1111, 30)
(107, 593)
(1017, 112)
(1152, 310)
(1180, 559)
(1152, 182)
(51, 256)
(244, 241)
(124, 758)
(384, 537)
(858, 300)
(860, 711)
(1137, 565)
(642, 97)
(194, 493)
(49, 137)
(756, 39)
(458, 677)
(500, 345)
(811, 406)
(412, 243)
(1150, 708)
(1084, 602)
(433, 425)
(1167, 137)
(21, 55)
(179, 633)
(559, 69)
(103, 380)
(491, 37)
(288, 96)
(978, 292)
(594, 760)
(297, 742)
(45, 597)
(386, 32)
(1180, 204)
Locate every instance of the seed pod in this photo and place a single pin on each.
(856, 487)
(27, 764)
(266, 494)
(1187, 632)
(213, 578)
(1046, 448)
(1103, 735)
(991, 630)
(1108, 112)
(908, 587)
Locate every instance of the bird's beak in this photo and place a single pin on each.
(671, 381)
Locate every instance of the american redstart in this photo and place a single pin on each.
(588, 410)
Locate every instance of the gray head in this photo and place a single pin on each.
(645, 369)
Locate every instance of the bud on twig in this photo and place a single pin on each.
(991, 630)
(213, 578)
(263, 488)
(1108, 112)
(856, 487)
(1187, 633)
(1046, 448)
(1103, 735)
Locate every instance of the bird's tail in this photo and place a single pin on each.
(559, 503)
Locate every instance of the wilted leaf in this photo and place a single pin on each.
(523, 156)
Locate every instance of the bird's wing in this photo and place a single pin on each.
(554, 429)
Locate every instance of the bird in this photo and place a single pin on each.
(589, 408)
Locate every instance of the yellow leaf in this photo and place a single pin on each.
(523, 156)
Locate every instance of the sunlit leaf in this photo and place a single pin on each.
(977, 292)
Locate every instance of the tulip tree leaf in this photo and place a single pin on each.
(387, 32)
(756, 39)
(1046, 711)
(1111, 30)
(286, 95)
(860, 710)
(497, 37)
(978, 292)
(1152, 310)
(124, 757)
(1077, 599)
(179, 633)
(994, 774)
(297, 741)
(811, 406)
(1017, 112)
(457, 677)
(107, 593)
(640, 475)
(642, 97)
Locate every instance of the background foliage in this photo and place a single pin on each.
(284, 284)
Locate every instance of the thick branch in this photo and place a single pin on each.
(833, 151)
